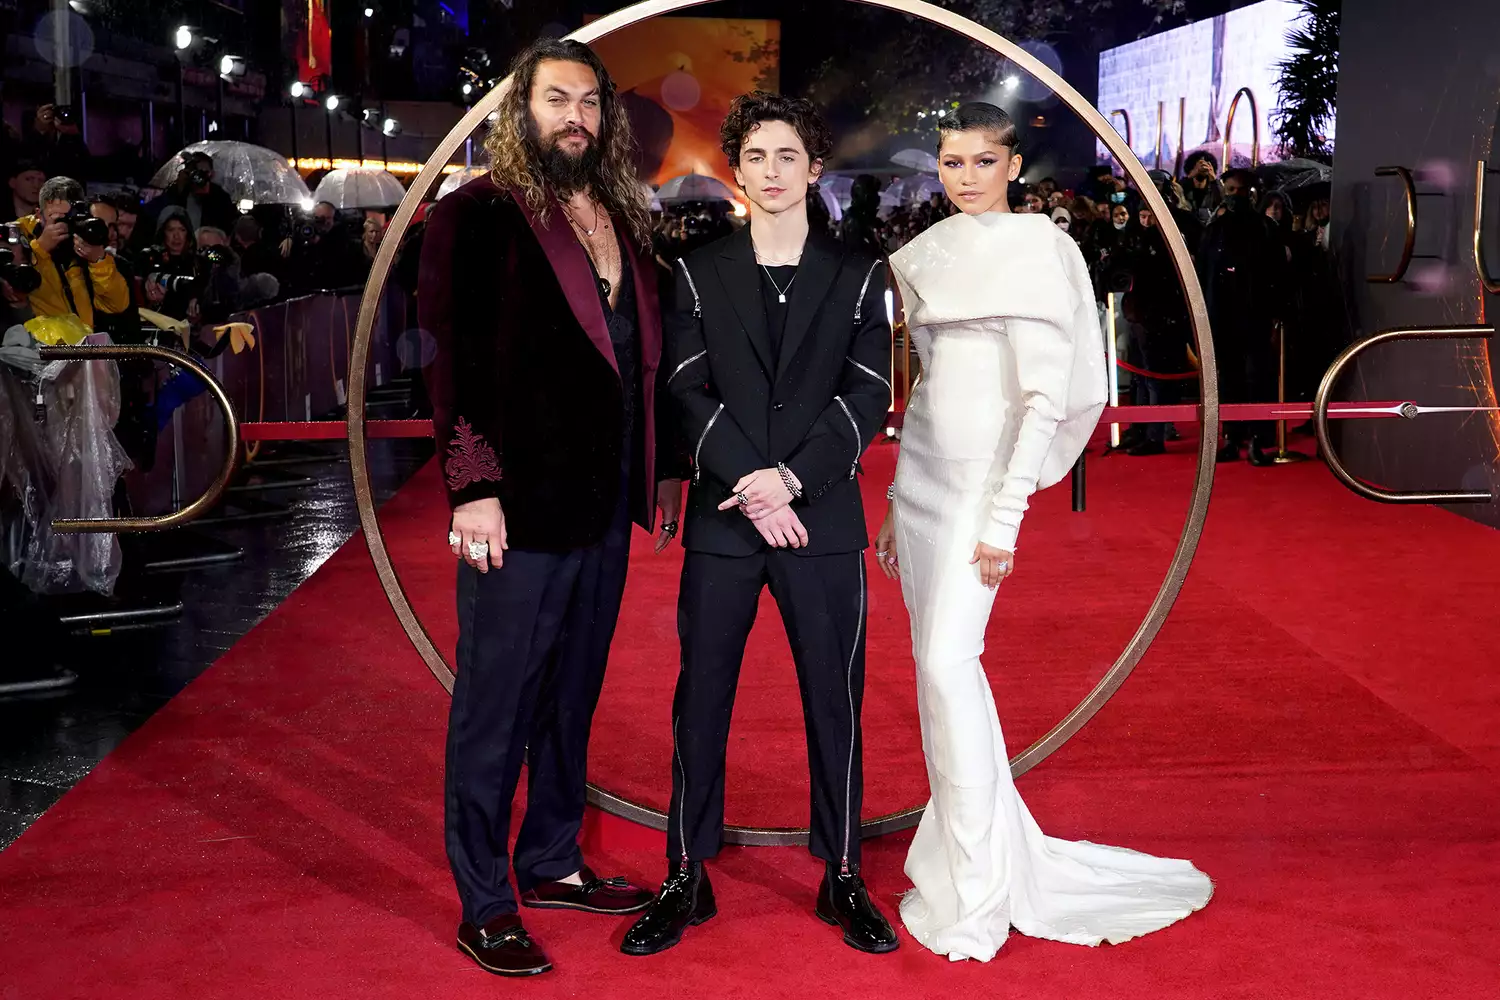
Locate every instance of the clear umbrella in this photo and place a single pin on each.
(693, 187)
(248, 172)
(458, 179)
(917, 159)
(360, 187)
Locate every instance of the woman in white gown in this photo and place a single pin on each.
(1002, 314)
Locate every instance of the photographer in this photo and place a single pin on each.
(1202, 190)
(68, 245)
(322, 254)
(54, 142)
(170, 266)
(25, 181)
(193, 190)
(123, 327)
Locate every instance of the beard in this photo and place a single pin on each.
(565, 171)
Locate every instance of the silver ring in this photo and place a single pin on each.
(881, 553)
(743, 500)
(453, 538)
(1002, 567)
(478, 550)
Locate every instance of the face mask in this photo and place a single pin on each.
(1121, 225)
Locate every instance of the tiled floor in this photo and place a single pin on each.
(48, 743)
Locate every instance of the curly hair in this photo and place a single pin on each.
(515, 160)
(749, 111)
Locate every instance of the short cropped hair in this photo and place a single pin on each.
(60, 189)
(977, 116)
(749, 111)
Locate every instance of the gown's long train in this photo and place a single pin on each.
(980, 432)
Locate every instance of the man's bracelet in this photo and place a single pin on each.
(788, 481)
(890, 491)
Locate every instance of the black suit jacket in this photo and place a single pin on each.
(526, 397)
(816, 410)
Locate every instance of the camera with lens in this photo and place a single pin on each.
(82, 223)
(179, 274)
(16, 269)
(198, 176)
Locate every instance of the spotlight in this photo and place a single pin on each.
(493, 116)
(890, 432)
(1012, 81)
(300, 89)
(308, 204)
(231, 67)
(332, 103)
(369, 12)
(468, 88)
(391, 127)
(183, 37)
(213, 126)
(370, 118)
(79, 6)
(246, 205)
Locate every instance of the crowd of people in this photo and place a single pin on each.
(188, 253)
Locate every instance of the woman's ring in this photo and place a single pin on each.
(453, 538)
(478, 550)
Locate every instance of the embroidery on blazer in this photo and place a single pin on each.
(470, 458)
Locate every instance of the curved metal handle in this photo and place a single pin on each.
(1129, 136)
(1411, 224)
(1331, 378)
(1254, 127)
(1490, 284)
(231, 425)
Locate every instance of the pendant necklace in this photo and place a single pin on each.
(604, 286)
(780, 292)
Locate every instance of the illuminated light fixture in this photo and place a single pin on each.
(1012, 81)
(183, 37)
(300, 89)
(942, 112)
(246, 204)
(369, 12)
(370, 117)
(493, 116)
(213, 126)
(308, 204)
(739, 210)
(231, 67)
(332, 103)
(390, 127)
(468, 89)
(921, 114)
(890, 432)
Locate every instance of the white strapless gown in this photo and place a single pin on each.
(1002, 316)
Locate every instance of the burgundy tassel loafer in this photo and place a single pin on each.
(595, 895)
(503, 947)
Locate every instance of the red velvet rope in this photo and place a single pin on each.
(1141, 371)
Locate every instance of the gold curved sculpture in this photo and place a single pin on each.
(1491, 285)
(1192, 527)
(200, 505)
(1320, 415)
(1409, 185)
(1254, 128)
(1129, 135)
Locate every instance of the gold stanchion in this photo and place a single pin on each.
(1283, 456)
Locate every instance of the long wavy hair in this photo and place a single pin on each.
(515, 160)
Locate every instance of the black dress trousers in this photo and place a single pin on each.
(534, 638)
(822, 602)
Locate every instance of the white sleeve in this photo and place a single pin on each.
(1044, 361)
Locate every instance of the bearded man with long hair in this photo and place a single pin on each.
(537, 289)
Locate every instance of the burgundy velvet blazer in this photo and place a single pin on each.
(527, 401)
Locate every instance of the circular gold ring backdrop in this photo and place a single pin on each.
(1192, 528)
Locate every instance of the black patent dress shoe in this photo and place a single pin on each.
(686, 900)
(612, 896)
(844, 902)
(1258, 457)
(503, 947)
(1229, 453)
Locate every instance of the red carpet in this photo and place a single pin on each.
(1314, 728)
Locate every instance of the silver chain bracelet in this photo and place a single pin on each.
(788, 481)
(890, 491)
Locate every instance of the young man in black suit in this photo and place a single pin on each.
(774, 352)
